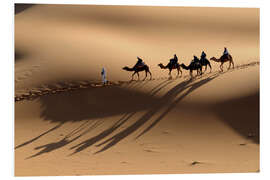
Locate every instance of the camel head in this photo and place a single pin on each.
(125, 68)
(213, 59)
(161, 66)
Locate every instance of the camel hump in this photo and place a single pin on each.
(226, 56)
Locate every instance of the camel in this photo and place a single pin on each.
(193, 66)
(137, 69)
(171, 66)
(223, 59)
(205, 62)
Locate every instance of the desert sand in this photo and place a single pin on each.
(67, 124)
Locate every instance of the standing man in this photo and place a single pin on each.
(103, 75)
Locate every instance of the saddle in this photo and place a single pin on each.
(225, 56)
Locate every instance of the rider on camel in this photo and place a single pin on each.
(203, 55)
(174, 60)
(225, 52)
(195, 59)
(139, 62)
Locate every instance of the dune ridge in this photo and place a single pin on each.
(69, 86)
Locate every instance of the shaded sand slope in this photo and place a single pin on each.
(88, 132)
(60, 42)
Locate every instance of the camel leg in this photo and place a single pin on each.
(177, 71)
(150, 74)
(170, 71)
(229, 65)
(210, 67)
(221, 67)
(232, 63)
(132, 76)
(138, 75)
(145, 75)
(190, 72)
(205, 68)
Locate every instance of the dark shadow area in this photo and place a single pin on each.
(243, 115)
(93, 103)
(21, 7)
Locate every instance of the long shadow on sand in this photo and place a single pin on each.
(168, 101)
(66, 140)
(91, 104)
(79, 101)
(244, 121)
(85, 111)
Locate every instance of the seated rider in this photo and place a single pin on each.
(174, 60)
(225, 52)
(139, 62)
(195, 59)
(203, 55)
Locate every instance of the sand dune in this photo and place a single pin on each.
(181, 125)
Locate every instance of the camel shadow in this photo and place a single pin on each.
(41, 135)
(167, 100)
(66, 140)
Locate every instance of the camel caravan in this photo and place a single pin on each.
(196, 64)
